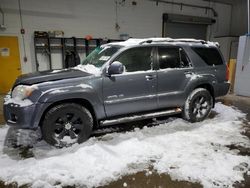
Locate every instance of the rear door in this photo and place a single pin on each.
(135, 89)
(174, 72)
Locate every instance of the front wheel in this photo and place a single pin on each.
(66, 124)
(198, 105)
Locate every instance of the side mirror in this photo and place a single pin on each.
(115, 68)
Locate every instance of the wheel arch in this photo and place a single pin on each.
(208, 87)
(81, 101)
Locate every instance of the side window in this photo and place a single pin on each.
(136, 59)
(210, 56)
(168, 57)
(185, 62)
(172, 57)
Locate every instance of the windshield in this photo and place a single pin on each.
(100, 55)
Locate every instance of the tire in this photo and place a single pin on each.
(198, 105)
(67, 124)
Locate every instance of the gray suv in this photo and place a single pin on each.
(117, 83)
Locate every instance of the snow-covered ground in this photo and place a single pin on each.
(194, 152)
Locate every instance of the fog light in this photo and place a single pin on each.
(13, 117)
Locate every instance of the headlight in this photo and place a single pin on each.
(22, 91)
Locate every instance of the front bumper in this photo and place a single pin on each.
(24, 117)
(19, 117)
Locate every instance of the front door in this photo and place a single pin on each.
(9, 62)
(135, 89)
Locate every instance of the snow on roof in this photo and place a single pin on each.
(137, 41)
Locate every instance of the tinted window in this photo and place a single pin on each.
(136, 59)
(172, 58)
(210, 56)
(185, 62)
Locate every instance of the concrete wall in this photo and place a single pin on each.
(228, 47)
(242, 84)
(239, 18)
(97, 18)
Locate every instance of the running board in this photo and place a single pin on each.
(140, 117)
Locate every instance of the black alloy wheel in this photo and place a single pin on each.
(198, 105)
(67, 124)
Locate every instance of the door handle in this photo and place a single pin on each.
(149, 77)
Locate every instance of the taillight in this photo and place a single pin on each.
(227, 73)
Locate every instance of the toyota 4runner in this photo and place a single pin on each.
(117, 83)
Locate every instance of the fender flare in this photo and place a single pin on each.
(49, 99)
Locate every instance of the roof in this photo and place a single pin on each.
(183, 41)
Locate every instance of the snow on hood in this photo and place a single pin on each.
(89, 69)
(194, 152)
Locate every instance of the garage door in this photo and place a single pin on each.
(183, 26)
(181, 30)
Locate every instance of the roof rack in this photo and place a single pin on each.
(174, 40)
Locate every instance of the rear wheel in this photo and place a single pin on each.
(198, 105)
(66, 124)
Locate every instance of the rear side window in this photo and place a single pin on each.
(185, 62)
(172, 57)
(210, 56)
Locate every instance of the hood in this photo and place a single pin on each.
(45, 76)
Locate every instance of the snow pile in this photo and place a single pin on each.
(89, 69)
(193, 152)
